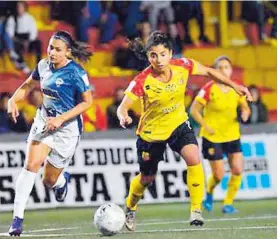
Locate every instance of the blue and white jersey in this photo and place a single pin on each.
(62, 89)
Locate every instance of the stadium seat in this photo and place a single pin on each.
(270, 79)
(41, 12)
(207, 56)
(246, 57)
(236, 34)
(270, 99)
(266, 57)
(255, 77)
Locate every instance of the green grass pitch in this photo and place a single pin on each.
(256, 219)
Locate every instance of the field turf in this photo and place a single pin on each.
(256, 219)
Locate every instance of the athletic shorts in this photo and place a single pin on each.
(151, 153)
(216, 151)
(63, 146)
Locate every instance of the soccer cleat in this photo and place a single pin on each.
(208, 203)
(17, 227)
(229, 209)
(130, 217)
(196, 218)
(61, 193)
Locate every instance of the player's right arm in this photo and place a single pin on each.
(197, 107)
(122, 111)
(132, 93)
(20, 94)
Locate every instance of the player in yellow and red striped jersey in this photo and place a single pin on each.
(215, 109)
(161, 88)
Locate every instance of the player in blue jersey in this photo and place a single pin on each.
(57, 126)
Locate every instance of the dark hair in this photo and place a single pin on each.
(156, 38)
(79, 50)
(221, 58)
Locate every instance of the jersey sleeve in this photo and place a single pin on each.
(190, 65)
(203, 96)
(135, 89)
(242, 100)
(35, 74)
(83, 83)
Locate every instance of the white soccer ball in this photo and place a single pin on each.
(109, 219)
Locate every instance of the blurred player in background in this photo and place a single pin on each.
(161, 88)
(57, 126)
(215, 109)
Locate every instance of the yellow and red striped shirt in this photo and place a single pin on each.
(220, 112)
(162, 104)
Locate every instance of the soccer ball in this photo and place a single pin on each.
(109, 219)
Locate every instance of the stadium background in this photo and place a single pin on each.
(106, 158)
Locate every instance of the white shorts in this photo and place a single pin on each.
(63, 145)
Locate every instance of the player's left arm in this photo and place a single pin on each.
(54, 123)
(244, 109)
(200, 69)
(82, 87)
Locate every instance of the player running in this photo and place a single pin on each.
(57, 126)
(215, 109)
(161, 88)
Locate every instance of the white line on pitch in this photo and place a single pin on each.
(52, 229)
(207, 220)
(160, 223)
(153, 231)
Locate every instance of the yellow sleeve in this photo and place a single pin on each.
(131, 95)
(134, 90)
(194, 67)
(201, 100)
(242, 100)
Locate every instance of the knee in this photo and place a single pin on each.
(32, 167)
(218, 175)
(147, 180)
(49, 181)
(236, 171)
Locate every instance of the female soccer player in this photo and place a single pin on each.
(215, 109)
(57, 126)
(161, 88)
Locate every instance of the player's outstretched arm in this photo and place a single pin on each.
(20, 94)
(244, 109)
(122, 111)
(196, 110)
(218, 77)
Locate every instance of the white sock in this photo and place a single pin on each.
(23, 188)
(60, 181)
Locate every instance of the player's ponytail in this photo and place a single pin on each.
(138, 48)
(156, 38)
(79, 50)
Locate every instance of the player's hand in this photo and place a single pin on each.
(242, 90)
(13, 110)
(53, 123)
(125, 121)
(209, 130)
(245, 115)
